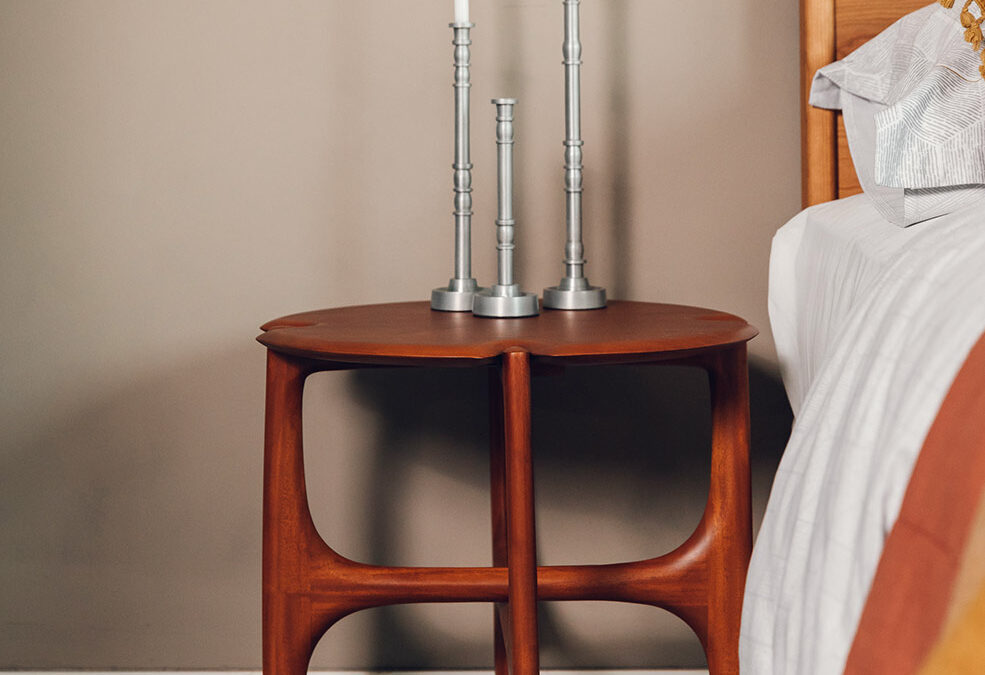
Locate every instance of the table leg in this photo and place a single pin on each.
(288, 635)
(731, 507)
(521, 556)
(497, 479)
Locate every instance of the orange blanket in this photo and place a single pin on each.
(926, 608)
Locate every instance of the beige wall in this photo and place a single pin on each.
(172, 173)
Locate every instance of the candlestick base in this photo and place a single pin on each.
(456, 296)
(572, 295)
(505, 302)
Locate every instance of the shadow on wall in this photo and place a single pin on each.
(618, 42)
(621, 465)
(130, 517)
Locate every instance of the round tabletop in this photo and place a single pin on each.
(411, 332)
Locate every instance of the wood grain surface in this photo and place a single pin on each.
(521, 559)
(858, 21)
(818, 136)
(412, 332)
(830, 30)
(308, 587)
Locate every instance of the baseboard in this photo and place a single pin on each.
(350, 672)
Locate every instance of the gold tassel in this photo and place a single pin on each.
(974, 36)
(972, 25)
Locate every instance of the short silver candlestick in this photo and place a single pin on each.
(457, 295)
(505, 299)
(574, 291)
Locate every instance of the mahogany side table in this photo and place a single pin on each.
(307, 586)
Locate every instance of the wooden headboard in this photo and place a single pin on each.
(829, 30)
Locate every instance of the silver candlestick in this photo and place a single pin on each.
(574, 291)
(457, 295)
(505, 299)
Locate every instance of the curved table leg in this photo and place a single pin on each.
(729, 506)
(521, 555)
(288, 633)
(497, 480)
(306, 586)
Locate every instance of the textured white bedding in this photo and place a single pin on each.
(823, 261)
(872, 323)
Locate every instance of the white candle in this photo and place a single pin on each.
(461, 11)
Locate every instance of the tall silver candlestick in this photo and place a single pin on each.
(505, 299)
(457, 295)
(574, 291)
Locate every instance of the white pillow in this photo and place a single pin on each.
(914, 107)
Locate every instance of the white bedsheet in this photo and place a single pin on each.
(872, 323)
(817, 274)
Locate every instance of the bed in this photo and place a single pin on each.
(869, 557)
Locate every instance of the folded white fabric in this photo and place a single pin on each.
(905, 308)
(822, 263)
(914, 107)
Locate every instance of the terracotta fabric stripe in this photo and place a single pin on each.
(971, 577)
(911, 593)
(961, 648)
(961, 651)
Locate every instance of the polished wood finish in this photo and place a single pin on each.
(830, 30)
(411, 333)
(521, 559)
(818, 136)
(729, 508)
(288, 531)
(497, 482)
(307, 586)
(858, 21)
